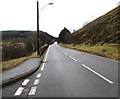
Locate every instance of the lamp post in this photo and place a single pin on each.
(38, 51)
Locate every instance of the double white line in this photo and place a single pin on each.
(25, 82)
(34, 88)
(36, 82)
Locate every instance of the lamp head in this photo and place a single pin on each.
(50, 3)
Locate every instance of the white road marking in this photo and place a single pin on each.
(46, 55)
(45, 58)
(36, 82)
(101, 57)
(69, 56)
(43, 65)
(19, 91)
(25, 82)
(62, 51)
(38, 75)
(65, 53)
(33, 91)
(73, 58)
(97, 74)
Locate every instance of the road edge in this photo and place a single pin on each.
(26, 74)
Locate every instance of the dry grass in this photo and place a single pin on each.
(34, 55)
(12, 63)
(109, 51)
(15, 62)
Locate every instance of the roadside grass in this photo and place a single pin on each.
(34, 55)
(13, 63)
(106, 50)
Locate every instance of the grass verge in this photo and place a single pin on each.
(106, 50)
(13, 63)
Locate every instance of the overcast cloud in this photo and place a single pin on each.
(21, 14)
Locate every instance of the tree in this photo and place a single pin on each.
(64, 36)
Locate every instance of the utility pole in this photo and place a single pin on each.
(38, 51)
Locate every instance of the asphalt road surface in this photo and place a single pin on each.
(68, 73)
(0, 54)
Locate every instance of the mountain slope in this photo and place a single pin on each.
(104, 29)
(99, 37)
(16, 34)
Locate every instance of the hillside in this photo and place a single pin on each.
(104, 29)
(16, 35)
(18, 44)
(99, 37)
(46, 38)
(64, 36)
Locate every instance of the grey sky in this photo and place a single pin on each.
(21, 14)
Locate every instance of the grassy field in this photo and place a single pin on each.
(13, 63)
(109, 51)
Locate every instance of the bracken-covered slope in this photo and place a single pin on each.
(105, 29)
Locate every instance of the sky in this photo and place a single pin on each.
(72, 14)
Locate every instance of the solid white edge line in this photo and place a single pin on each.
(38, 75)
(101, 57)
(26, 81)
(36, 82)
(19, 91)
(97, 74)
(33, 91)
(43, 65)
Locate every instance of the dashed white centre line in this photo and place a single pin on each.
(38, 75)
(33, 91)
(106, 79)
(19, 91)
(36, 82)
(43, 65)
(73, 58)
(65, 53)
(45, 58)
(25, 82)
(69, 56)
(97, 74)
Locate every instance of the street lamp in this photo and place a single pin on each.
(46, 5)
(38, 51)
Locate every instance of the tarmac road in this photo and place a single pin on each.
(68, 73)
(0, 54)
